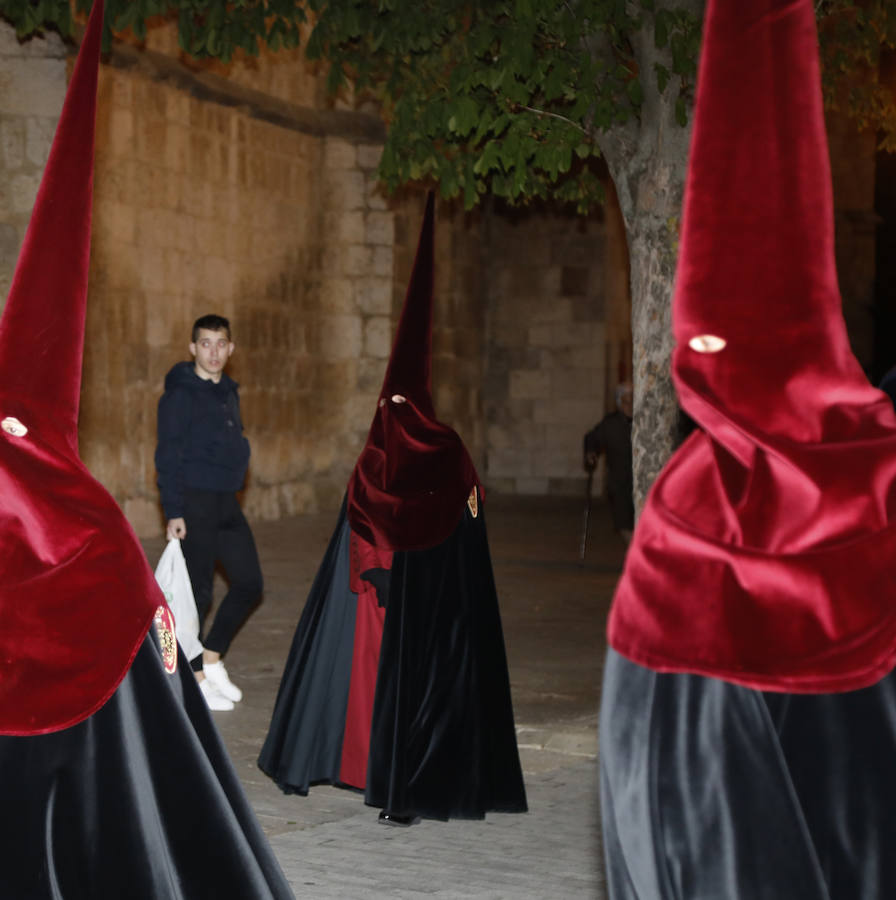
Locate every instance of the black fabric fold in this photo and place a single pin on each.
(443, 743)
(140, 800)
(304, 741)
(712, 791)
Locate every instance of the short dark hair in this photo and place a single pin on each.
(211, 322)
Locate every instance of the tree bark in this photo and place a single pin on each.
(647, 160)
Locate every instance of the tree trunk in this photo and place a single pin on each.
(648, 162)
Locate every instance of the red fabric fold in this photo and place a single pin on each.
(764, 552)
(409, 485)
(359, 709)
(77, 595)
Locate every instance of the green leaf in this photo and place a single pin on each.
(487, 160)
(662, 76)
(28, 22)
(465, 117)
(564, 152)
(471, 193)
(635, 92)
(126, 17)
(291, 37)
(314, 45)
(64, 20)
(335, 79)
(501, 123)
(497, 77)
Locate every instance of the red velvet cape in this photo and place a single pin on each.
(76, 595)
(413, 477)
(764, 554)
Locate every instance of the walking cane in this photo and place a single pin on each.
(587, 513)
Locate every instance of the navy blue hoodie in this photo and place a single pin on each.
(200, 437)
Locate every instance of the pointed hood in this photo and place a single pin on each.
(764, 552)
(409, 486)
(40, 361)
(77, 595)
(409, 372)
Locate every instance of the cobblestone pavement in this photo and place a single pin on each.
(554, 611)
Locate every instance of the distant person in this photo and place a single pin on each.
(613, 436)
(201, 458)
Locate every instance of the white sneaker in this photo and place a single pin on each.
(217, 675)
(213, 697)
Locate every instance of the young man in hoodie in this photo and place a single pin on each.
(201, 460)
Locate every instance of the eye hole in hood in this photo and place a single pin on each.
(707, 343)
(14, 427)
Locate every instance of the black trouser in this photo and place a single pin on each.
(217, 531)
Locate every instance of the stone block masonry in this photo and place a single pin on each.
(32, 88)
(203, 203)
(240, 190)
(550, 367)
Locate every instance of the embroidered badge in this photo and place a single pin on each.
(473, 502)
(165, 632)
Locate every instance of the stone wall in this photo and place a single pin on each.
(199, 207)
(32, 88)
(558, 342)
(230, 196)
(346, 304)
(460, 327)
(207, 201)
(459, 312)
(240, 191)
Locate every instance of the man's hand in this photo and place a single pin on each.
(177, 528)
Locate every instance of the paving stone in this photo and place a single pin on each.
(553, 610)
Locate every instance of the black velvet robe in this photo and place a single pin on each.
(711, 791)
(304, 741)
(443, 742)
(140, 800)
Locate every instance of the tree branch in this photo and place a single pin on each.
(553, 115)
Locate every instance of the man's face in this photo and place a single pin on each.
(211, 351)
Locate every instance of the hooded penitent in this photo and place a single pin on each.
(408, 490)
(413, 477)
(764, 554)
(396, 682)
(76, 595)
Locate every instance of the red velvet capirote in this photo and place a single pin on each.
(413, 477)
(76, 593)
(764, 554)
